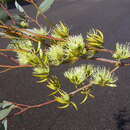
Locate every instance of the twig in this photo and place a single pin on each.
(100, 50)
(35, 106)
(115, 69)
(15, 66)
(104, 60)
(9, 57)
(80, 89)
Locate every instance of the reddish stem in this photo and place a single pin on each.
(9, 57)
(15, 66)
(34, 106)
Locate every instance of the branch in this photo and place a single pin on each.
(100, 50)
(15, 66)
(104, 60)
(80, 89)
(9, 57)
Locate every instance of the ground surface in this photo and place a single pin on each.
(110, 110)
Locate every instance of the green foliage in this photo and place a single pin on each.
(66, 100)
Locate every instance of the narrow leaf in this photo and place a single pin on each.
(4, 122)
(75, 106)
(4, 113)
(6, 104)
(44, 6)
(19, 7)
(65, 106)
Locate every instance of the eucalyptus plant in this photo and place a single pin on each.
(42, 48)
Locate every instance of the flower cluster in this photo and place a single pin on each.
(60, 31)
(78, 75)
(103, 77)
(122, 51)
(75, 46)
(55, 54)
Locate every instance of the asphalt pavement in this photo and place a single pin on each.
(110, 110)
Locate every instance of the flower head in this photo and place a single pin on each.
(60, 31)
(55, 54)
(42, 31)
(79, 74)
(103, 77)
(19, 43)
(122, 51)
(75, 46)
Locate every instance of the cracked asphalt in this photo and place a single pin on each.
(110, 110)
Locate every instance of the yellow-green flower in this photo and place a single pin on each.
(122, 51)
(79, 74)
(42, 31)
(55, 54)
(75, 46)
(60, 31)
(19, 43)
(103, 77)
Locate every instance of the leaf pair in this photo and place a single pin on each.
(66, 100)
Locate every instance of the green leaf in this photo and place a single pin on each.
(4, 113)
(6, 104)
(44, 6)
(5, 124)
(3, 15)
(42, 81)
(84, 100)
(19, 7)
(75, 106)
(65, 106)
